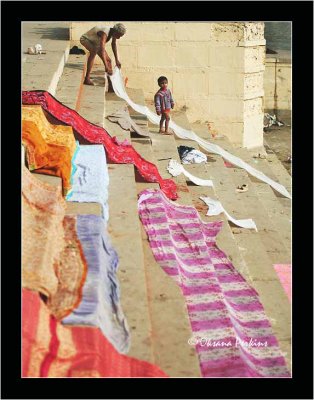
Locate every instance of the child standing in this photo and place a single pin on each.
(163, 103)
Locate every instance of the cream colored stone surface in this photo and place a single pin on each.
(212, 68)
(253, 131)
(277, 85)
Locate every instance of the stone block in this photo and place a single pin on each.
(284, 88)
(227, 32)
(191, 84)
(226, 58)
(254, 59)
(197, 111)
(192, 31)
(155, 55)
(157, 31)
(189, 54)
(269, 80)
(253, 107)
(222, 82)
(253, 31)
(226, 108)
(127, 55)
(143, 80)
(253, 131)
(253, 85)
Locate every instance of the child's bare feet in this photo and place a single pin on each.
(161, 131)
(167, 133)
(88, 82)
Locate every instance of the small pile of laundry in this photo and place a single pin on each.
(122, 117)
(189, 155)
(37, 49)
(270, 120)
(77, 50)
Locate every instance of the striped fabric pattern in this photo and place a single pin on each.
(231, 331)
(100, 305)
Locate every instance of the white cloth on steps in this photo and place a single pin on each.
(118, 86)
(216, 208)
(175, 169)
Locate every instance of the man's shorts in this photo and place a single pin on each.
(89, 45)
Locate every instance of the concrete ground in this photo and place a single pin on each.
(278, 139)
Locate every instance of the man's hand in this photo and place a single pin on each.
(109, 71)
(158, 113)
(118, 64)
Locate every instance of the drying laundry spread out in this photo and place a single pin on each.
(70, 270)
(116, 152)
(53, 262)
(75, 269)
(100, 305)
(189, 155)
(222, 307)
(49, 151)
(284, 272)
(122, 117)
(42, 233)
(50, 349)
(175, 169)
(91, 179)
(56, 134)
(216, 208)
(270, 120)
(118, 86)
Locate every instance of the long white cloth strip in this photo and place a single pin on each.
(118, 86)
(175, 169)
(216, 208)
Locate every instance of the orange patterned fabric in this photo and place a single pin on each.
(45, 158)
(54, 134)
(50, 349)
(43, 210)
(71, 270)
(53, 262)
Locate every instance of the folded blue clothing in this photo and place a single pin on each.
(90, 179)
(100, 304)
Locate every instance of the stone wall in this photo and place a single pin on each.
(215, 70)
(278, 84)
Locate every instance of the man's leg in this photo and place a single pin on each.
(90, 61)
(109, 64)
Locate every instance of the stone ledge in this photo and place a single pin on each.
(251, 43)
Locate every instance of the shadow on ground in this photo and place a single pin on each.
(58, 33)
(75, 66)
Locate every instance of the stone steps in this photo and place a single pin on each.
(277, 207)
(253, 253)
(43, 71)
(70, 84)
(260, 250)
(168, 315)
(263, 249)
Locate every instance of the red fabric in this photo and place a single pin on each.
(50, 349)
(118, 153)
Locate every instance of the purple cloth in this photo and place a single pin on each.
(100, 305)
(227, 318)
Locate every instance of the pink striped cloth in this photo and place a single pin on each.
(284, 272)
(232, 334)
